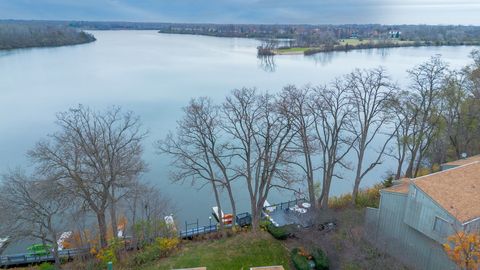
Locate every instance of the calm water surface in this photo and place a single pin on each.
(154, 75)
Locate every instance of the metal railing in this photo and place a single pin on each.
(187, 233)
(32, 258)
(285, 205)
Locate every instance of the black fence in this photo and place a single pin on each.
(285, 205)
(31, 258)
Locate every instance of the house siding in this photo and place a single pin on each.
(387, 229)
(421, 212)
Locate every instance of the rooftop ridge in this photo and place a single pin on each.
(445, 171)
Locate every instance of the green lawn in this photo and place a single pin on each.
(238, 252)
(342, 42)
(294, 49)
(353, 41)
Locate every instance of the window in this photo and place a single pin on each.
(440, 226)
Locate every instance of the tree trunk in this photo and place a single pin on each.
(255, 215)
(102, 228)
(309, 169)
(358, 176)
(358, 179)
(399, 167)
(356, 187)
(55, 252)
(325, 192)
(217, 199)
(232, 203)
(411, 162)
(134, 220)
(113, 214)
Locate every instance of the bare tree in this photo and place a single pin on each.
(403, 118)
(260, 136)
(295, 103)
(332, 111)
(370, 93)
(147, 209)
(36, 208)
(473, 74)
(427, 82)
(199, 151)
(93, 154)
(453, 107)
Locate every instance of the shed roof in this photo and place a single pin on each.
(401, 187)
(463, 161)
(457, 190)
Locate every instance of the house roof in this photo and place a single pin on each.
(463, 161)
(457, 190)
(401, 187)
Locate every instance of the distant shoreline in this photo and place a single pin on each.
(343, 48)
(47, 46)
(16, 35)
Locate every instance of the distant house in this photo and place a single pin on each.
(394, 34)
(417, 215)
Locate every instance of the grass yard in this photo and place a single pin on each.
(342, 42)
(294, 50)
(241, 251)
(353, 41)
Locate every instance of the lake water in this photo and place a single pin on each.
(154, 75)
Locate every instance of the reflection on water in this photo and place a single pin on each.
(267, 63)
(321, 58)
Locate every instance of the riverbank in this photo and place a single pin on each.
(357, 44)
(16, 35)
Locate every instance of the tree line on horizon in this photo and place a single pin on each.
(86, 174)
(15, 35)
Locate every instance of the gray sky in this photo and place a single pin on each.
(249, 11)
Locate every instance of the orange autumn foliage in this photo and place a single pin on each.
(464, 249)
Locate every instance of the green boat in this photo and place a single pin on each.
(39, 249)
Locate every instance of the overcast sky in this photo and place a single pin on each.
(249, 11)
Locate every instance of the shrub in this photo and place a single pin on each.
(280, 233)
(369, 197)
(299, 260)
(162, 247)
(321, 260)
(46, 266)
(109, 254)
(148, 254)
(388, 182)
(166, 245)
(264, 225)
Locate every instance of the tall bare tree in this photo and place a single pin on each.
(200, 152)
(260, 136)
(34, 208)
(370, 93)
(403, 118)
(454, 109)
(93, 154)
(332, 111)
(427, 82)
(295, 103)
